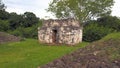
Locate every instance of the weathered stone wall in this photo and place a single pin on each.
(70, 36)
(45, 35)
(68, 32)
(62, 22)
(64, 36)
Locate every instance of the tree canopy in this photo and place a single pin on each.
(81, 10)
(30, 19)
(2, 6)
(110, 21)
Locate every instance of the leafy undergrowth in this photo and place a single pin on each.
(104, 53)
(30, 53)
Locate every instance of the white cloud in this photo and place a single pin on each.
(38, 7)
(15, 10)
(116, 8)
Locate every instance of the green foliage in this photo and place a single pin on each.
(15, 21)
(31, 54)
(2, 6)
(82, 10)
(97, 29)
(30, 32)
(4, 25)
(17, 32)
(29, 19)
(4, 15)
(27, 32)
(110, 22)
(24, 25)
(26, 20)
(93, 32)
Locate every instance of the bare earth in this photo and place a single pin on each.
(99, 54)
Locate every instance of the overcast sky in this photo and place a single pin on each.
(38, 7)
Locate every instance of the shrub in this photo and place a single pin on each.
(93, 32)
(17, 32)
(29, 32)
(4, 25)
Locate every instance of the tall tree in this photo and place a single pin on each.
(15, 20)
(110, 22)
(30, 19)
(2, 6)
(82, 10)
(3, 14)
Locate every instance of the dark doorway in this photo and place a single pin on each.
(54, 36)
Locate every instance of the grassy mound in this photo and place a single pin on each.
(31, 54)
(4, 37)
(112, 36)
(100, 54)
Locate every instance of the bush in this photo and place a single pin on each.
(29, 32)
(4, 25)
(17, 32)
(93, 32)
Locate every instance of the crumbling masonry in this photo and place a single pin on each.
(64, 31)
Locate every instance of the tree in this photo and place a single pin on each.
(2, 6)
(81, 10)
(30, 19)
(110, 22)
(15, 20)
(3, 14)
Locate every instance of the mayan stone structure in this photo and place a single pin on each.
(64, 31)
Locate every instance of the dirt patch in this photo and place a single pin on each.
(102, 54)
(4, 37)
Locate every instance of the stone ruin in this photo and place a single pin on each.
(64, 31)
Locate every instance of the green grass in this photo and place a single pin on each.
(112, 36)
(113, 48)
(31, 54)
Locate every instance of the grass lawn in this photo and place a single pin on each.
(31, 54)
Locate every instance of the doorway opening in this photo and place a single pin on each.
(54, 36)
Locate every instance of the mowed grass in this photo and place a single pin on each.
(31, 54)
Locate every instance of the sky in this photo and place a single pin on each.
(38, 7)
